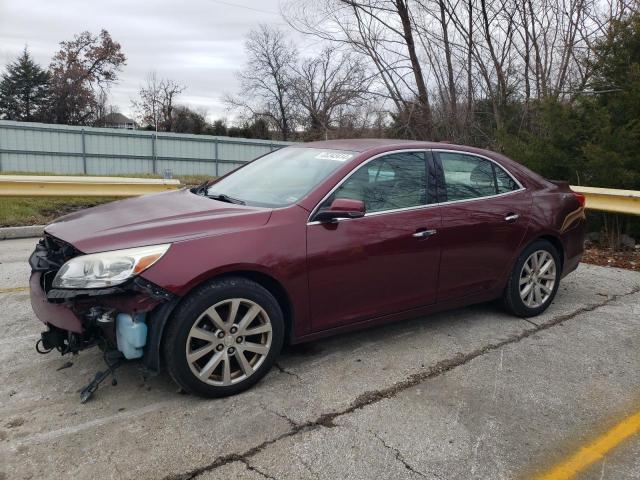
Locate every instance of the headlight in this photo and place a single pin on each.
(106, 269)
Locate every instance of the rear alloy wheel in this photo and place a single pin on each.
(224, 337)
(534, 280)
(537, 279)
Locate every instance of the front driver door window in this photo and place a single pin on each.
(371, 266)
(392, 182)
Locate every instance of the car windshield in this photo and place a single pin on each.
(279, 178)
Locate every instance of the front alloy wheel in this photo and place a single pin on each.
(229, 342)
(224, 337)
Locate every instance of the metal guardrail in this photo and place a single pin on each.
(59, 186)
(610, 200)
(602, 199)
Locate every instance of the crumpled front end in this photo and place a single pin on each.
(114, 318)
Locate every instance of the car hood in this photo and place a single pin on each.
(153, 219)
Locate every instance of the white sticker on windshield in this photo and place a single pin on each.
(338, 157)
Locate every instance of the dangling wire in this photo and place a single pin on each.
(42, 351)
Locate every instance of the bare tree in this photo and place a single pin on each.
(382, 31)
(267, 80)
(461, 68)
(329, 88)
(104, 108)
(156, 102)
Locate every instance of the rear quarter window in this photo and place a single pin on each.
(505, 182)
(468, 176)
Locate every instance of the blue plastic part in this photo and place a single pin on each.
(131, 334)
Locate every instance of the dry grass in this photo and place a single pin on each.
(16, 212)
(21, 211)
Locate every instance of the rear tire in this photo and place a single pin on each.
(534, 280)
(223, 338)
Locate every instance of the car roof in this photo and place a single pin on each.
(364, 144)
(381, 145)
(375, 146)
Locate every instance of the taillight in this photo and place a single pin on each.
(580, 197)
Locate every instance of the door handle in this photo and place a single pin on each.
(424, 233)
(512, 217)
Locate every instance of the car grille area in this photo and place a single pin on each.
(50, 254)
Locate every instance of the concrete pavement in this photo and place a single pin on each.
(472, 393)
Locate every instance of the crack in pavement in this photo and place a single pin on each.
(368, 398)
(253, 468)
(283, 370)
(399, 456)
(292, 423)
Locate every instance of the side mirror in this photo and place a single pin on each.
(341, 208)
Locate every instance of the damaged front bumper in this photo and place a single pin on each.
(128, 318)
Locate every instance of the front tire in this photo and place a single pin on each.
(534, 280)
(224, 337)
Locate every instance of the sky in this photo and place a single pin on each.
(199, 43)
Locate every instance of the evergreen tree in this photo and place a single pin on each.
(24, 90)
(595, 138)
(612, 151)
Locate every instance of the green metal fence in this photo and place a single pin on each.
(66, 150)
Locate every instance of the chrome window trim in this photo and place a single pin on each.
(417, 207)
(353, 170)
(460, 152)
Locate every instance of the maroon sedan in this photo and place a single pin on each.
(308, 241)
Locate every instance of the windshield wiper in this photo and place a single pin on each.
(202, 188)
(226, 198)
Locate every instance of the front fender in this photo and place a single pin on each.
(156, 322)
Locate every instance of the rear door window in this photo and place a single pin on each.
(468, 176)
